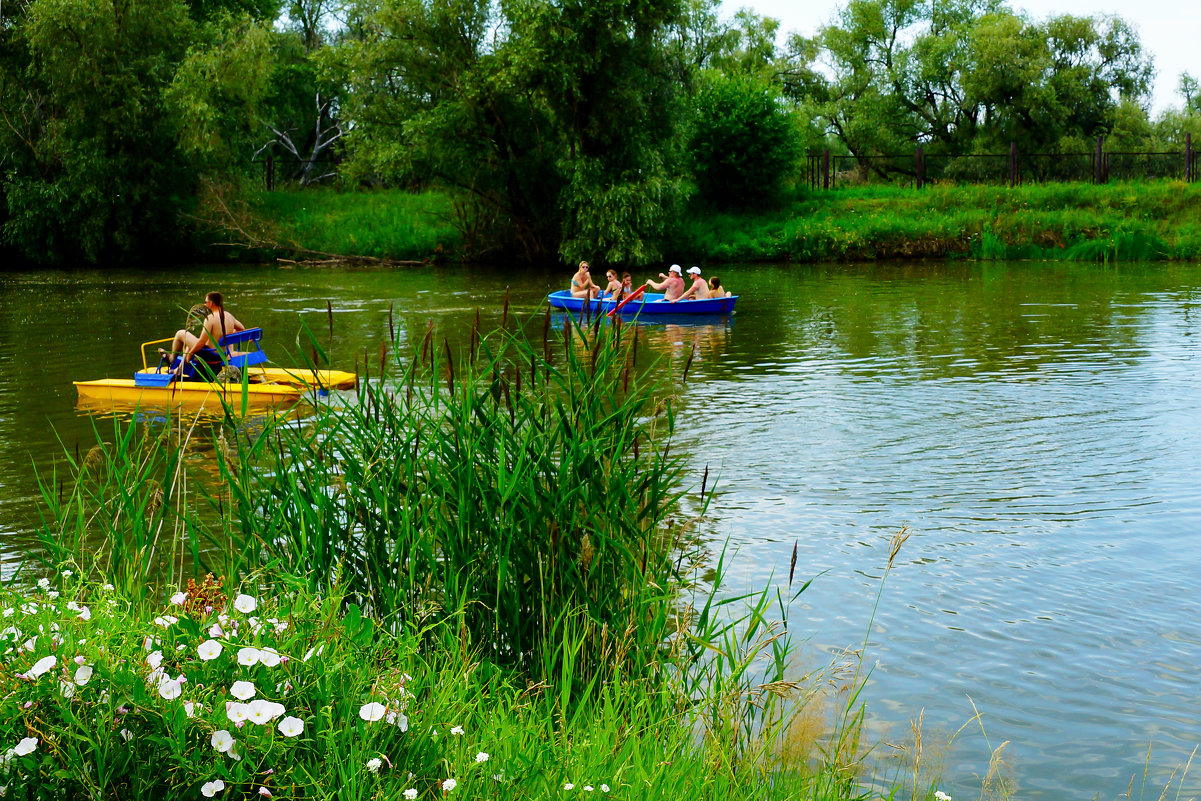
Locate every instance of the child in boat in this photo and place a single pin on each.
(581, 283)
(613, 288)
(715, 288)
(627, 285)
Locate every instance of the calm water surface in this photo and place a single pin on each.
(1033, 426)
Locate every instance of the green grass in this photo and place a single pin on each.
(383, 224)
(1127, 221)
(506, 525)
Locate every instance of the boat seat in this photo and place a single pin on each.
(241, 349)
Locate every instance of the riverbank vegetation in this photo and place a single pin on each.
(1129, 221)
(478, 577)
(551, 131)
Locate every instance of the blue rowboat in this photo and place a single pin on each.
(646, 305)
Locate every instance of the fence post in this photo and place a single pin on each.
(1098, 178)
(826, 169)
(921, 168)
(270, 172)
(1188, 158)
(1013, 164)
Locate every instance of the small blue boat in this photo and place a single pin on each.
(647, 305)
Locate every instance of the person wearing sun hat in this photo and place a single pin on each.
(672, 285)
(699, 289)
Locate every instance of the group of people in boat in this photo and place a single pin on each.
(672, 284)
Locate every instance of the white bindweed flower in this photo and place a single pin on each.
(155, 659)
(397, 719)
(569, 786)
(245, 604)
(83, 674)
(236, 711)
(44, 583)
(939, 795)
(67, 574)
(374, 765)
(263, 711)
(166, 621)
(170, 689)
(66, 689)
(26, 747)
(179, 598)
(269, 657)
(604, 788)
(210, 789)
(215, 630)
(41, 666)
(291, 727)
(126, 735)
(242, 690)
(481, 757)
(410, 793)
(85, 614)
(222, 740)
(587, 788)
(108, 587)
(316, 650)
(189, 708)
(457, 730)
(248, 657)
(372, 712)
(449, 785)
(209, 650)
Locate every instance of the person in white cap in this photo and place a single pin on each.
(699, 289)
(672, 285)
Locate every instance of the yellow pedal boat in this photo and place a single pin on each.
(264, 386)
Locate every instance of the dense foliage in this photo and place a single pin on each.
(559, 130)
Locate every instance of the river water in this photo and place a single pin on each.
(1032, 426)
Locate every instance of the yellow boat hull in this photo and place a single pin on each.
(266, 386)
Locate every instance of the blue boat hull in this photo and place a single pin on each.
(647, 305)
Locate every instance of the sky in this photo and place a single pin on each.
(1167, 29)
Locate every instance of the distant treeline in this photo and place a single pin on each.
(142, 128)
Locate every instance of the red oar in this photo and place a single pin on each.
(636, 293)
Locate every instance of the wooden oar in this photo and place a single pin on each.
(636, 293)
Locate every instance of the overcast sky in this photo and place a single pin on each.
(1169, 31)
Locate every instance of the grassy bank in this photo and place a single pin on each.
(385, 224)
(475, 578)
(1082, 222)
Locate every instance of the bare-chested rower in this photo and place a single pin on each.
(217, 324)
(699, 289)
(672, 285)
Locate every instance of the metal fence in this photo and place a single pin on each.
(827, 171)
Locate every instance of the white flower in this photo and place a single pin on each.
(83, 675)
(178, 598)
(410, 793)
(481, 757)
(604, 788)
(248, 656)
(316, 650)
(374, 765)
(67, 689)
(457, 730)
(939, 795)
(263, 711)
(169, 689)
(44, 583)
(372, 712)
(264, 792)
(67, 574)
(9, 612)
(210, 789)
(242, 690)
(245, 604)
(269, 657)
(155, 659)
(215, 630)
(449, 785)
(290, 726)
(85, 614)
(569, 786)
(587, 788)
(222, 740)
(208, 650)
(189, 708)
(108, 587)
(236, 711)
(166, 621)
(126, 735)
(397, 719)
(41, 666)
(26, 746)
